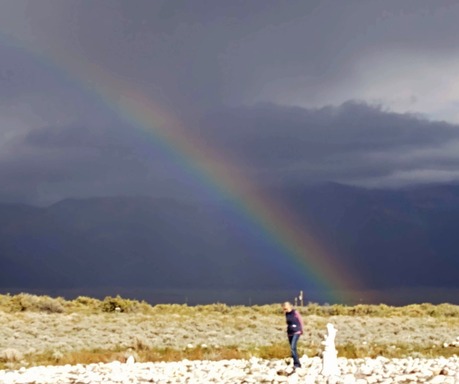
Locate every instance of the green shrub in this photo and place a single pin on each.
(25, 302)
(86, 301)
(118, 304)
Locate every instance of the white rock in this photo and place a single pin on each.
(379, 370)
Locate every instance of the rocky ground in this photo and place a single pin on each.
(27, 333)
(361, 371)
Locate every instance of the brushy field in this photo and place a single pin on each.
(40, 330)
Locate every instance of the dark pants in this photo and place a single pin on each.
(293, 340)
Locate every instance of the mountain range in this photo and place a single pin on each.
(395, 241)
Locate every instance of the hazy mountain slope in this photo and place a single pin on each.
(126, 241)
(388, 238)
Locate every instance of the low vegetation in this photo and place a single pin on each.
(41, 330)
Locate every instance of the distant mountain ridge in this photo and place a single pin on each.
(389, 238)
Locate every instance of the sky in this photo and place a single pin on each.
(363, 93)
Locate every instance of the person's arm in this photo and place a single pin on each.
(300, 320)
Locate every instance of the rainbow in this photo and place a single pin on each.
(213, 171)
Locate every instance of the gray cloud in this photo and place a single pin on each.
(273, 145)
(309, 53)
(200, 53)
(353, 143)
(270, 84)
(52, 163)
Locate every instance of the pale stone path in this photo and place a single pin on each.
(358, 371)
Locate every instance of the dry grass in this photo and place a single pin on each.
(44, 330)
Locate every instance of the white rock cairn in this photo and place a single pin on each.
(330, 360)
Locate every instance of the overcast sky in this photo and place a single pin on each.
(290, 92)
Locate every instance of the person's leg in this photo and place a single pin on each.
(293, 340)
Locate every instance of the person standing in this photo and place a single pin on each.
(294, 330)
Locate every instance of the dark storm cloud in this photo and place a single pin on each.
(273, 145)
(52, 163)
(318, 52)
(265, 82)
(351, 143)
(196, 54)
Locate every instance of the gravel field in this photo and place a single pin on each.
(251, 371)
(25, 334)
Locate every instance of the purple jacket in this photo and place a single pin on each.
(294, 322)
